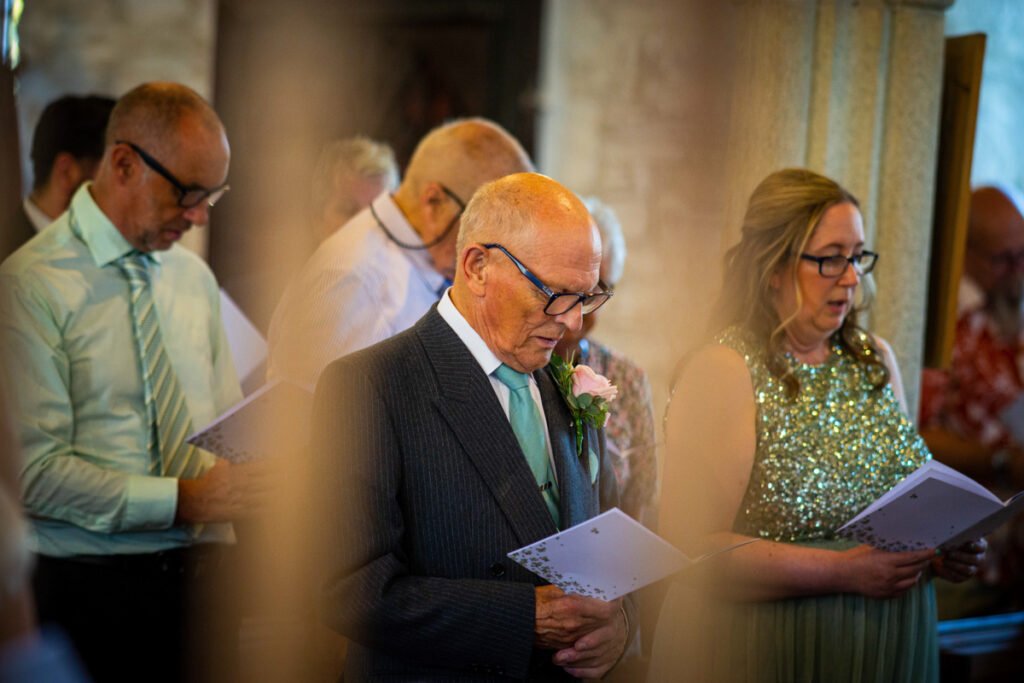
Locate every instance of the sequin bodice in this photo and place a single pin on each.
(824, 455)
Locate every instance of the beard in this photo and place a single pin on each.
(1003, 304)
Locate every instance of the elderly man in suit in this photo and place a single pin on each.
(450, 445)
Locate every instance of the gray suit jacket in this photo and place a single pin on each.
(426, 491)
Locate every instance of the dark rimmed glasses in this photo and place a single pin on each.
(189, 196)
(835, 266)
(559, 303)
(454, 197)
(1007, 260)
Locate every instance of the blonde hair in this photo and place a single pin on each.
(781, 216)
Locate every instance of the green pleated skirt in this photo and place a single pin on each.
(839, 637)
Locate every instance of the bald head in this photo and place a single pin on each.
(518, 209)
(995, 236)
(464, 155)
(994, 215)
(449, 164)
(548, 230)
(151, 115)
(165, 164)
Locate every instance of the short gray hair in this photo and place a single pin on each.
(357, 155)
(613, 242)
(495, 213)
(151, 114)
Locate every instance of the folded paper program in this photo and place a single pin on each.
(934, 507)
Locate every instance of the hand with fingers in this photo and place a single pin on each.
(883, 574)
(225, 492)
(588, 634)
(962, 562)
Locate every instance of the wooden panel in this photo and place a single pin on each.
(961, 88)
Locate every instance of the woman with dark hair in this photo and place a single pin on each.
(784, 427)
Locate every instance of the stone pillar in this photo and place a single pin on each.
(906, 180)
(634, 107)
(852, 90)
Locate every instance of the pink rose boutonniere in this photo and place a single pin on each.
(586, 392)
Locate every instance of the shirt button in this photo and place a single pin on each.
(497, 570)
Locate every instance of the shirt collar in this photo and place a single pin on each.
(470, 337)
(104, 241)
(392, 218)
(36, 217)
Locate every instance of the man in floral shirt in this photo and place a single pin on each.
(972, 412)
(962, 409)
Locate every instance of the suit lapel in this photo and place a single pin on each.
(467, 402)
(577, 498)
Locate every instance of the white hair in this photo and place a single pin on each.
(357, 155)
(613, 242)
(496, 213)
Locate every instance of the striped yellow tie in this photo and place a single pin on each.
(170, 423)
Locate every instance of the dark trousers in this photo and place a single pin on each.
(143, 617)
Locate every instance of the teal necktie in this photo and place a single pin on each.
(531, 433)
(170, 422)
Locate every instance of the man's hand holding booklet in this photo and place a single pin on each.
(606, 557)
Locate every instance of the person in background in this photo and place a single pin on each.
(963, 410)
(630, 425)
(389, 264)
(66, 148)
(972, 414)
(348, 176)
(112, 334)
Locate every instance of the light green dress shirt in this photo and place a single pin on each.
(72, 371)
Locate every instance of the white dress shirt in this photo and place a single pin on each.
(359, 287)
(36, 217)
(489, 363)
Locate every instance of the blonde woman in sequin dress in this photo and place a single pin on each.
(781, 429)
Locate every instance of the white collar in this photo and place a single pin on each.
(470, 337)
(393, 223)
(36, 217)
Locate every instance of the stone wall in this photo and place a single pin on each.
(635, 104)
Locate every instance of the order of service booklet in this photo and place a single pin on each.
(933, 507)
(260, 424)
(606, 557)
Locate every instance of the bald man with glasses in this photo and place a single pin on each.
(448, 446)
(111, 334)
(375, 277)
